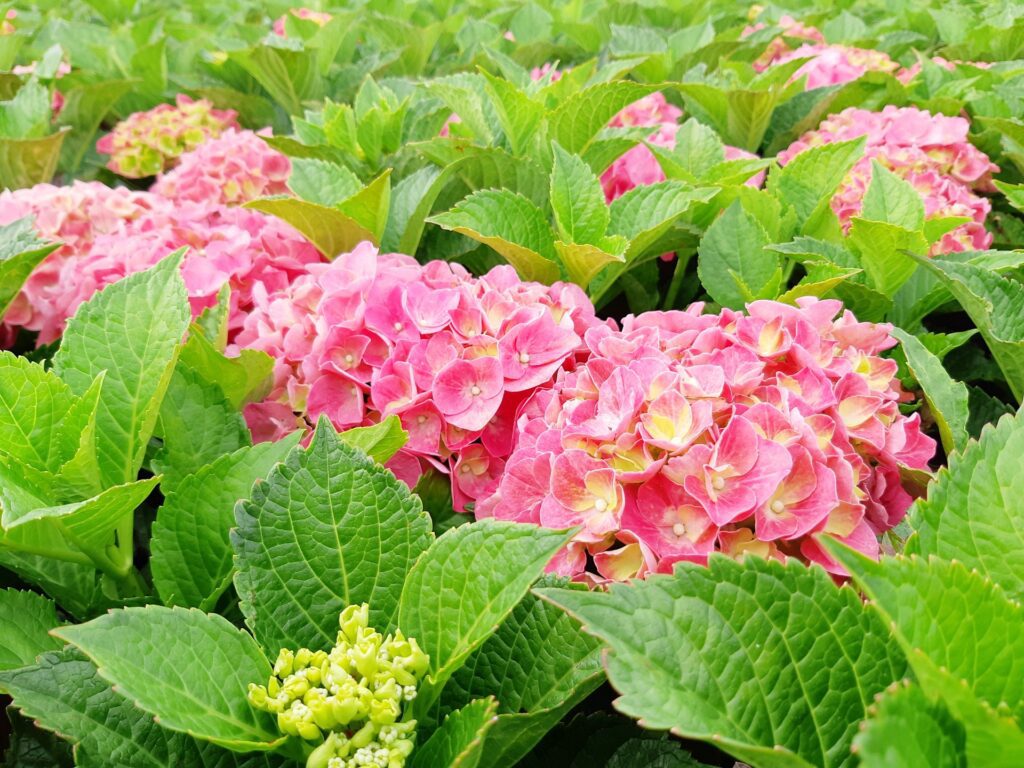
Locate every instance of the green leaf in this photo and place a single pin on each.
(733, 264)
(584, 262)
(538, 666)
(518, 114)
(996, 305)
(808, 181)
(34, 405)
(243, 379)
(288, 76)
(192, 559)
(85, 107)
(465, 585)
(882, 249)
(27, 162)
(369, 206)
(21, 251)
(197, 425)
(379, 441)
(973, 511)
(63, 693)
(906, 730)
(697, 150)
(772, 663)
(644, 214)
(578, 119)
(510, 224)
(189, 669)
(892, 200)
(25, 623)
(327, 529)
(75, 587)
(322, 182)
(330, 230)
(581, 214)
(962, 638)
(947, 399)
(460, 741)
(131, 330)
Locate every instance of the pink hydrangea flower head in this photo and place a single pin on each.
(778, 47)
(234, 168)
(835, 64)
(148, 143)
(686, 433)
(317, 17)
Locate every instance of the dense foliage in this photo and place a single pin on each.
(492, 383)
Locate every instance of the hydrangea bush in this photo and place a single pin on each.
(636, 385)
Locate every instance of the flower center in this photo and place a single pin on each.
(600, 505)
(778, 507)
(718, 483)
(349, 359)
(398, 326)
(474, 390)
(679, 529)
(421, 418)
(524, 358)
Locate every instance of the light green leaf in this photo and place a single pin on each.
(576, 121)
(21, 251)
(947, 399)
(772, 663)
(63, 693)
(380, 441)
(644, 214)
(538, 666)
(327, 529)
(85, 107)
(973, 511)
(34, 404)
(321, 181)
(75, 587)
(465, 585)
(584, 262)
(461, 739)
(26, 619)
(518, 114)
(733, 264)
(189, 669)
(197, 425)
(882, 249)
(820, 280)
(191, 556)
(962, 638)
(808, 181)
(510, 224)
(581, 214)
(369, 206)
(243, 379)
(27, 162)
(131, 330)
(697, 150)
(906, 730)
(330, 230)
(892, 200)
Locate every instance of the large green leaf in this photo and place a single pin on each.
(963, 639)
(27, 162)
(577, 199)
(465, 585)
(84, 108)
(34, 404)
(77, 588)
(461, 740)
(518, 114)
(578, 119)
(327, 529)
(191, 555)
(892, 200)
(330, 230)
(132, 331)
(808, 181)
(996, 305)
(538, 666)
(644, 214)
(974, 512)
(63, 693)
(379, 441)
(510, 224)
(189, 669)
(883, 250)
(26, 619)
(946, 397)
(197, 425)
(243, 379)
(21, 251)
(906, 730)
(773, 663)
(733, 264)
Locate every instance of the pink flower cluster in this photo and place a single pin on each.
(638, 166)
(932, 152)
(318, 17)
(234, 168)
(370, 335)
(835, 64)
(147, 143)
(108, 234)
(778, 47)
(687, 433)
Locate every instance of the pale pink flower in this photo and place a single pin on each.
(835, 64)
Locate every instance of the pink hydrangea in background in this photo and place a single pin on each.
(638, 166)
(932, 152)
(835, 64)
(147, 143)
(687, 433)
(778, 47)
(370, 335)
(234, 168)
(318, 17)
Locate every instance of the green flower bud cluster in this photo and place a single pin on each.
(350, 698)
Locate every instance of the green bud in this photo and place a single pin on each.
(295, 686)
(302, 658)
(354, 618)
(384, 712)
(320, 756)
(364, 735)
(257, 696)
(283, 665)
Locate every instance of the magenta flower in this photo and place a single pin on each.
(468, 392)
